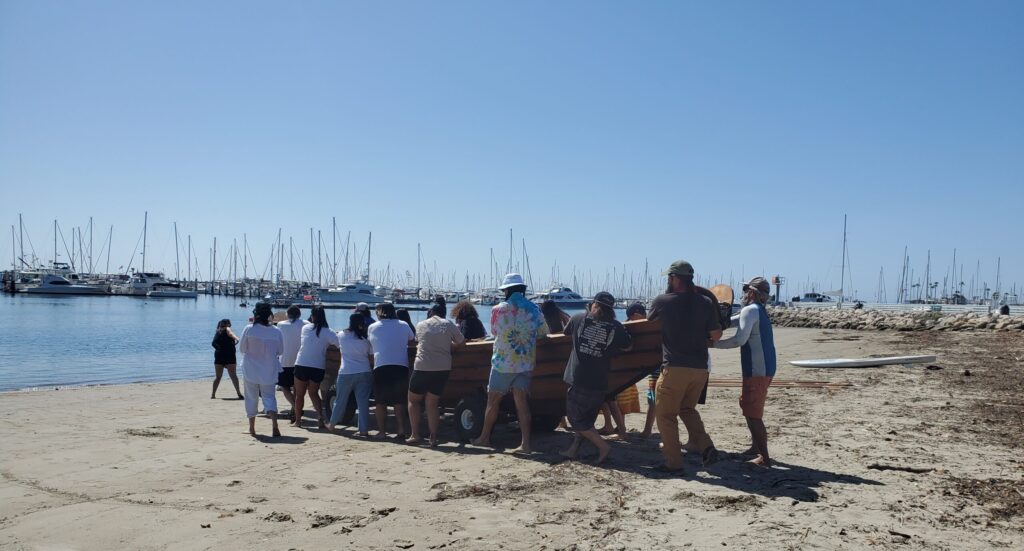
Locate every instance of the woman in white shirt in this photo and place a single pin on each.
(355, 374)
(310, 364)
(390, 338)
(261, 346)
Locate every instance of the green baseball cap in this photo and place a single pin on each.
(679, 268)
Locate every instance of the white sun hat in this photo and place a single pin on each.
(511, 280)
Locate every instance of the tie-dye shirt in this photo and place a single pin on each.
(516, 324)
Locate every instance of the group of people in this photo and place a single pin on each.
(375, 358)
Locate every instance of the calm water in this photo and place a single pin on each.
(60, 341)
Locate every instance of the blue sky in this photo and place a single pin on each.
(734, 134)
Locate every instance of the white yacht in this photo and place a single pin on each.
(141, 283)
(564, 297)
(170, 290)
(52, 284)
(350, 293)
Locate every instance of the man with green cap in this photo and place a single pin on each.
(688, 321)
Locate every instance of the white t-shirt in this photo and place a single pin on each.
(261, 348)
(355, 353)
(313, 350)
(292, 333)
(390, 340)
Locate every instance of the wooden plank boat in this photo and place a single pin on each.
(471, 367)
(466, 391)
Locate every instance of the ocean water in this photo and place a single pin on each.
(47, 342)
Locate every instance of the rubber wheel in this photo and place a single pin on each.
(544, 423)
(469, 416)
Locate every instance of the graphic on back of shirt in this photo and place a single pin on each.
(595, 337)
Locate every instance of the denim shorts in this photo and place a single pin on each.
(504, 382)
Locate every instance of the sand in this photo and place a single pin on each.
(904, 458)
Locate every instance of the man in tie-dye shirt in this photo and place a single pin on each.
(516, 325)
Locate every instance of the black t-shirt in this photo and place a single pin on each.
(593, 343)
(223, 348)
(472, 328)
(686, 321)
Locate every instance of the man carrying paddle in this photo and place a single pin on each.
(688, 320)
(757, 358)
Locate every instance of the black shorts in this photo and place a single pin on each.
(391, 384)
(582, 406)
(432, 382)
(309, 374)
(286, 378)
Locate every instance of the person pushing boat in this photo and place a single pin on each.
(756, 341)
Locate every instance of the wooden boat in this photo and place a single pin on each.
(466, 391)
(471, 367)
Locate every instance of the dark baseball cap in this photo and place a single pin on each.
(636, 308)
(679, 268)
(758, 283)
(605, 298)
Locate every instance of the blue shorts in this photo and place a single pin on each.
(504, 382)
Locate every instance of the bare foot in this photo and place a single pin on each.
(760, 461)
(252, 432)
(213, 396)
(603, 454)
(433, 441)
(522, 450)
(413, 440)
(751, 451)
(330, 427)
(379, 435)
(569, 453)
(276, 433)
(363, 434)
(690, 448)
(645, 435)
(482, 442)
(606, 431)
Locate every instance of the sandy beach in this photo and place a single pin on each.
(922, 458)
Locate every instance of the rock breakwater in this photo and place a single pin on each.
(880, 320)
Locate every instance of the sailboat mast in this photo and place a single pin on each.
(145, 227)
(369, 249)
(177, 259)
(21, 240)
(55, 242)
(419, 254)
(842, 275)
(190, 257)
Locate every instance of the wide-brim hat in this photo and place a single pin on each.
(511, 280)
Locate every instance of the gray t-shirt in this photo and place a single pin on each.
(435, 337)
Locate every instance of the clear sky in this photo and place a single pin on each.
(732, 134)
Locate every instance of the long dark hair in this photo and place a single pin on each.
(403, 314)
(386, 310)
(605, 313)
(262, 313)
(553, 316)
(464, 310)
(319, 318)
(357, 324)
(223, 324)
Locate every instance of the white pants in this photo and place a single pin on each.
(253, 391)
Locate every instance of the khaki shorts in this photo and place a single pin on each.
(753, 396)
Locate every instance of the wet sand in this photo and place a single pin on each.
(922, 457)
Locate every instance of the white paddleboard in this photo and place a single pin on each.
(864, 362)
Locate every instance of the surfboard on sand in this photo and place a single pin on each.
(864, 362)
